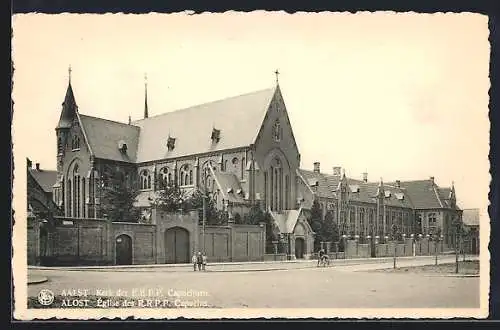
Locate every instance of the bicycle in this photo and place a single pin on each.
(324, 261)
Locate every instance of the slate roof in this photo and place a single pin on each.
(423, 194)
(470, 217)
(45, 178)
(238, 118)
(366, 191)
(229, 185)
(327, 184)
(69, 107)
(104, 135)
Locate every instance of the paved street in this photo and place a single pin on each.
(347, 284)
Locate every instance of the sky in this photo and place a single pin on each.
(400, 96)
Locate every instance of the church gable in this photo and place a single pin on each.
(276, 131)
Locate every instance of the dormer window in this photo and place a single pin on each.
(122, 146)
(170, 143)
(399, 196)
(313, 182)
(387, 194)
(215, 135)
(354, 188)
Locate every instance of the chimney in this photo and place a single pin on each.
(37, 166)
(398, 183)
(432, 180)
(365, 177)
(29, 163)
(337, 170)
(316, 167)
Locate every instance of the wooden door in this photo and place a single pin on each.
(177, 246)
(123, 250)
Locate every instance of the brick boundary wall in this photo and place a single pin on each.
(76, 241)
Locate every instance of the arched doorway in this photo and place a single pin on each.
(176, 245)
(300, 246)
(124, 250)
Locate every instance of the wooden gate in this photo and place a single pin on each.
(177, 246)
(123, 250)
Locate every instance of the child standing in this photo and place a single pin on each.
(194, 261)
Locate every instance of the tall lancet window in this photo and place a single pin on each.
(69, 204)
(276, 186)
(76, 191)
(145, 180)
(277, 131)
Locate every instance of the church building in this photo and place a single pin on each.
(242, 151)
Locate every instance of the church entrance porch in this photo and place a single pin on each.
(123, 250)
(299, 247)
(177, 246)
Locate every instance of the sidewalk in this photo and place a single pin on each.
(240, 266)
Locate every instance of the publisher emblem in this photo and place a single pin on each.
(45, 297)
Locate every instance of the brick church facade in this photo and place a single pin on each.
(242, 150)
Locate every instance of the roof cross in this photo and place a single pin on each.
(69, 72)
(277, 73)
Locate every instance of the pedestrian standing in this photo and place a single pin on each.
(194, 261)
(204, 261)
(199, 260)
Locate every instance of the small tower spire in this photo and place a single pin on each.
(129, 120)
(69, 74)
(146, 96)
(277, 73)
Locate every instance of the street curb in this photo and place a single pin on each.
(37, 279)
(339, 262)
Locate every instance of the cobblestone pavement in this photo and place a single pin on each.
(347, 284)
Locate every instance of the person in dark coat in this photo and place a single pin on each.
(199, 260)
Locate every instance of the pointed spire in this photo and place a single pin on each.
(69, 107)
(69, 99)
(146, 115)
(277, 80)
(129, 120)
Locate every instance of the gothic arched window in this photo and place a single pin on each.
(186, 175)
(145, 179)
(165, 177)
(75, 142)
